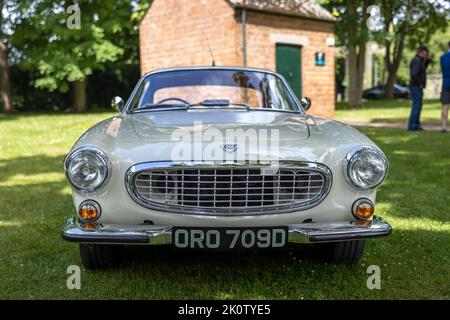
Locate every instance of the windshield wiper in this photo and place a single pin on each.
(159, 107)
(220, 104)
(207, 104)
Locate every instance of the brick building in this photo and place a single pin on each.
(292, 37)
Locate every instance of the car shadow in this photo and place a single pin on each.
(169, 257)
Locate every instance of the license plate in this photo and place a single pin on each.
(230, 238)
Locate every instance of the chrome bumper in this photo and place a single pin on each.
(151, 235)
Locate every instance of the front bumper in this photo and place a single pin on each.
(151, 235)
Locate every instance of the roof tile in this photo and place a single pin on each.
(302, 8)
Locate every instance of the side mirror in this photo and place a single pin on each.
(117, 104)
(306, 103)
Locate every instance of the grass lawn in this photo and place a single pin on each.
(35, 201)
(377, 111)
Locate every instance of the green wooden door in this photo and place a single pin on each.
(289, 65)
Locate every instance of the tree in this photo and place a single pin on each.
(5, 87)
(352, 32)
(413, 21)
(357, 44)
(66, 45)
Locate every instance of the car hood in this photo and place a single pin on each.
(148, 137)
(160, 126)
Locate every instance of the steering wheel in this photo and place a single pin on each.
(174, 99)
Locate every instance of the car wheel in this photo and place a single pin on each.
(348, 253)
(95, 256)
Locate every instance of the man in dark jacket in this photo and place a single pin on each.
(445, 98)
(418, 71)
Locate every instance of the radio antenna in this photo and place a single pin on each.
(213, 61)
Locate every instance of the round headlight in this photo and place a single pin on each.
(366, 168)
(87, 169)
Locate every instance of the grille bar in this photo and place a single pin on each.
(225, 190)
(231, 188)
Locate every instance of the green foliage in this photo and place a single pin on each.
(63, 55)
(348, 21)
(431, 17)
(429, 24)
(438, 45)
(428, 17)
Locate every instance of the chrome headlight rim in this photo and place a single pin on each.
(103, 158)
(354, 153)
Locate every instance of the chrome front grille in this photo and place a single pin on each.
(228, 189)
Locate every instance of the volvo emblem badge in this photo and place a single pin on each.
(230, 148)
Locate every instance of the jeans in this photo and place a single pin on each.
(417, 98)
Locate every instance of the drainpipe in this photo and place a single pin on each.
(244, 35)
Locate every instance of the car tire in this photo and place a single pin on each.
(346, 253)
(95, 256)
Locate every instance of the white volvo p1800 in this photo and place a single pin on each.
(219, 158)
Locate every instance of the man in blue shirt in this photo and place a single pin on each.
(418, 72)
(445, 98)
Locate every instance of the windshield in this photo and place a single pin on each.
(213, 88)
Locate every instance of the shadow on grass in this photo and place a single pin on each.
(30, 197)
(33, 165)
(243, 260)
(296, 271)
(419, 176)
(28, 114)
(204, 267)
(28, 203)
(9, 117)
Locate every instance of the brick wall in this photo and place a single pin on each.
(263, 33)
(173, 33)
